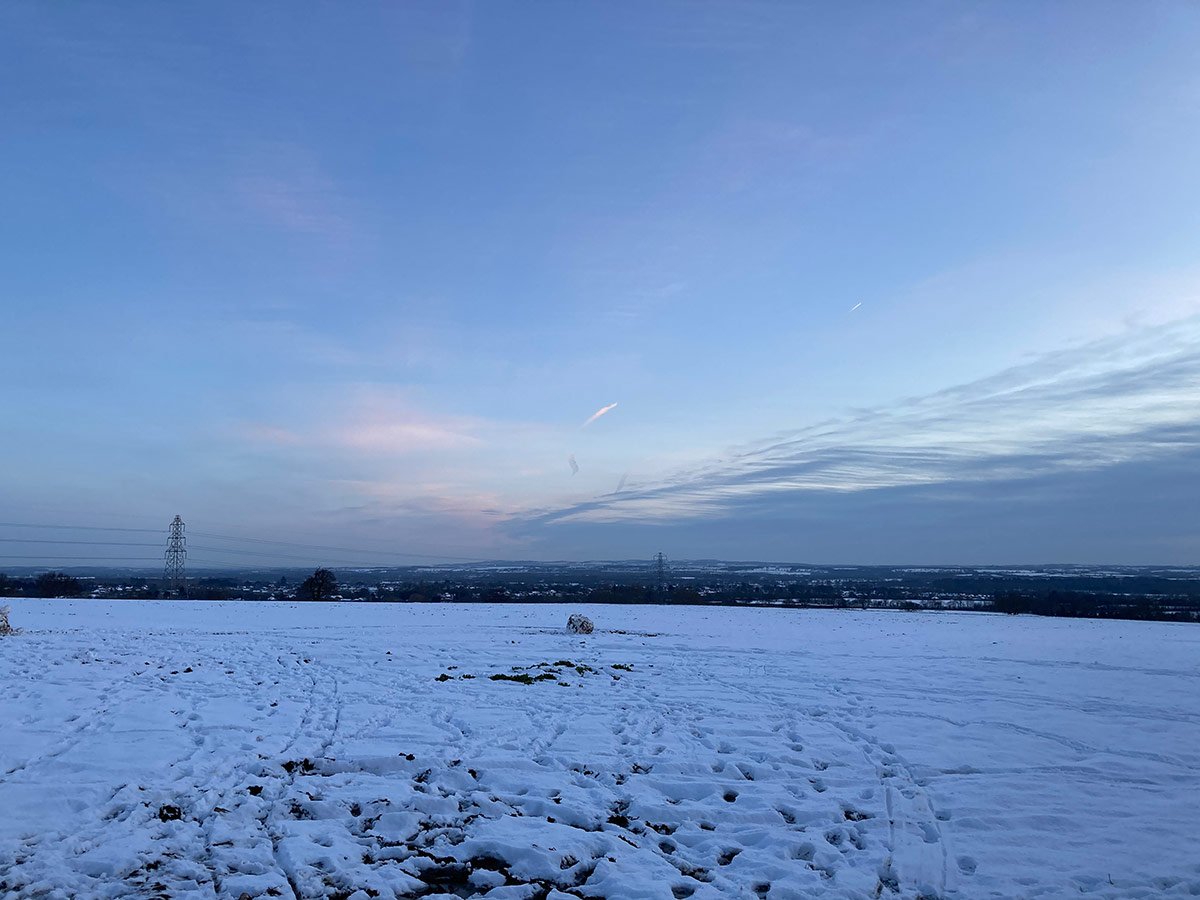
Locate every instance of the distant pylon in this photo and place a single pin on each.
(660, 571)
(174, 577)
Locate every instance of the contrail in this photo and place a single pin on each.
(855, 306)
(597, 414)
(621, 484)
(574, 465)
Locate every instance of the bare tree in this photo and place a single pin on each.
(320, 585)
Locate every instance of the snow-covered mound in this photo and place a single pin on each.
(580, 624)
(258, 750)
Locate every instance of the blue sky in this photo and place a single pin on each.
(357, 274)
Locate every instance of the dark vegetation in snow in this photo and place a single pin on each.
(560, 672)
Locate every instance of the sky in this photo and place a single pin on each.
(867, 283)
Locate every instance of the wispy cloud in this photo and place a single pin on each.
(285, 186)
(1097, 405)
(271, 435)
(643, 302)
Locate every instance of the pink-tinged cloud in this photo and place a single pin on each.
(396, 434)
(286, 186)
(294, 206)
(405, 435)
(369, 420)
(271, 434)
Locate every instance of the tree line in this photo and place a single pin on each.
(319, 586)
(1084, 604)
(48, 584)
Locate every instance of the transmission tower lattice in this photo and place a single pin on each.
(660, 571)
(174, 577)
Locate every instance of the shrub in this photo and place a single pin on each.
(578, 624)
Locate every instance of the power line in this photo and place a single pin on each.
(274, 554)
(205, 559)
(271, 553)
(4, 540)
(393, 553)
(54, 559)
(109, 558)
(274, 559)
(80, 528)
(337, 550)
(354, 551)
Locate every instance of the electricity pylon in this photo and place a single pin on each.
(175, 580)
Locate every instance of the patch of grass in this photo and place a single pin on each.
(525, 677)
(522, 678)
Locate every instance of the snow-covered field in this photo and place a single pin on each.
(249, 750)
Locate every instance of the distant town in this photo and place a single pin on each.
(1164, 594)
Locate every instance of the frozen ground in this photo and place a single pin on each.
(250, 750)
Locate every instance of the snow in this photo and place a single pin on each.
(256, 749)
